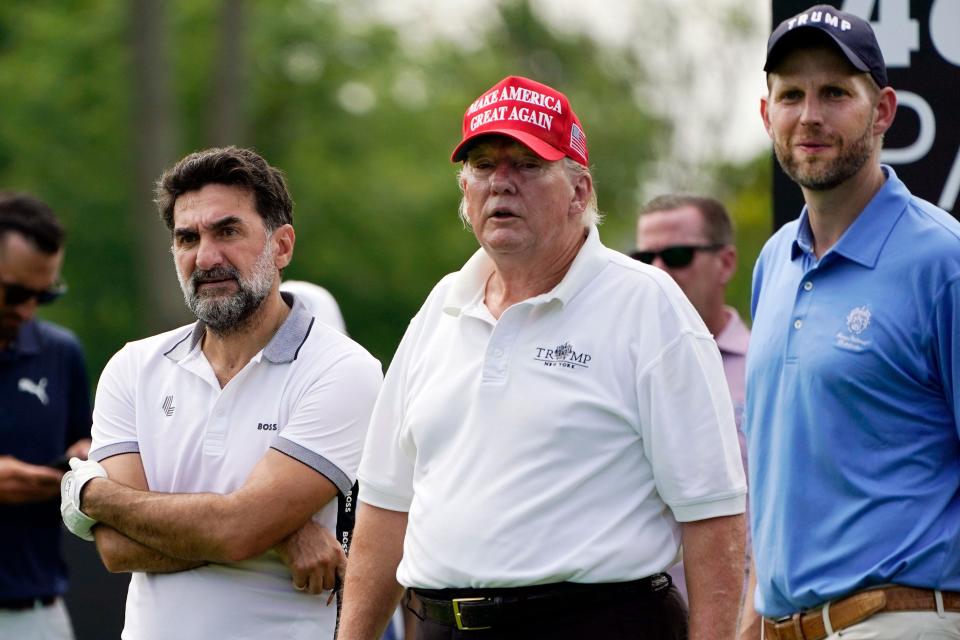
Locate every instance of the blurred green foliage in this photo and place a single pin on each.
(362, 126)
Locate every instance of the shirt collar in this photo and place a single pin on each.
(864, 238)
(472, 278)
(282, 348)
(735, 336)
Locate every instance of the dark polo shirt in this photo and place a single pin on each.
(44, 408)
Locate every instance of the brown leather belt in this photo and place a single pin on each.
(857, 608)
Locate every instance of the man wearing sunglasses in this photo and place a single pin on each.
(44, 416)
(853, 375)
(691, 238)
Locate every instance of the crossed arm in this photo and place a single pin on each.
(154, 532)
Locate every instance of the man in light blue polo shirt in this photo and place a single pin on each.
(853, 374)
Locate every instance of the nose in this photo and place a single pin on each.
(811, 113)
(502, 180)
(208, 254)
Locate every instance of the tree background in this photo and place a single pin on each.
(101, 95)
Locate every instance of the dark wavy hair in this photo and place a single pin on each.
(229, 166)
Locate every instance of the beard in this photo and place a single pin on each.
(229, 313)
(825, 176)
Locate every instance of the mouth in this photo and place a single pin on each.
(812, 146)
(214, 283)
(503, 214)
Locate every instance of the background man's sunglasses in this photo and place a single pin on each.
(14, 294)
(676, 256)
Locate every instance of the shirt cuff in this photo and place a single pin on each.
(108, 451)
(378, 498)
(315, 461)
(723, 506)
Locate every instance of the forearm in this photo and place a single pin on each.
(750, 620)
(197, 527)
(120, 554)
(372, 592)
(713, 552)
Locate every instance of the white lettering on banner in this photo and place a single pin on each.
(897, 33)
(516, 94)
(925, 137)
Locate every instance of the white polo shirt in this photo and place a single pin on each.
(562, 442)
(308, 393)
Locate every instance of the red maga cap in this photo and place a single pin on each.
(529, 112)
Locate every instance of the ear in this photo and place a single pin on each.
(582, 191)
(728, 264)
(885, 111)
(765, 114)
(285, 237)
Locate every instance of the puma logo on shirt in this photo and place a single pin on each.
(38, 389)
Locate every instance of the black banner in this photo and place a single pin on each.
(920, 40)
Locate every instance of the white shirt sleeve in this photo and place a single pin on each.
(114, 428)
(327, 426)
(688, 429)
(386, 471)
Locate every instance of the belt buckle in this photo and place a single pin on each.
(457, 614)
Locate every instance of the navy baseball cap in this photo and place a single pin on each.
(852, 35)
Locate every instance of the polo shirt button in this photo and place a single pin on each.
(807, 285)
(498, 353)
(797, 324)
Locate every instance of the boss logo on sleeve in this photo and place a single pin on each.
(266, 426)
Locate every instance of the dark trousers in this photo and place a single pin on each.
(657, 616)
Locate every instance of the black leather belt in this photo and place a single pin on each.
(476, 609)
(19, 604)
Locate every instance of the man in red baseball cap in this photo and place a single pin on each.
(554, 424)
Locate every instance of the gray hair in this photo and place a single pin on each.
(591, 215)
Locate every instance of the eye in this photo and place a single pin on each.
(229, 232)
(834, 92)
(185, 239)
(529, 164)
(481, 164)
(791, 95)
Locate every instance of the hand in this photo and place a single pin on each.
(315, 559)
(77, 522)
(79, 449)
(21, 482)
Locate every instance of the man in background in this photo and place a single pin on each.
(692, 238)
(44, 418)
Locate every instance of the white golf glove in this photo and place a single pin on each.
(82, 472)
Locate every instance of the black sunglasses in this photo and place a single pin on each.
(14, 294)
(676, 256)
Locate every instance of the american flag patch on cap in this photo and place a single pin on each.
(578, 141)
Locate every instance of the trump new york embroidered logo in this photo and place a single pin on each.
(563, 355)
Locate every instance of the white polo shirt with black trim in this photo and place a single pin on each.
(562, 442)
(308, 393)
